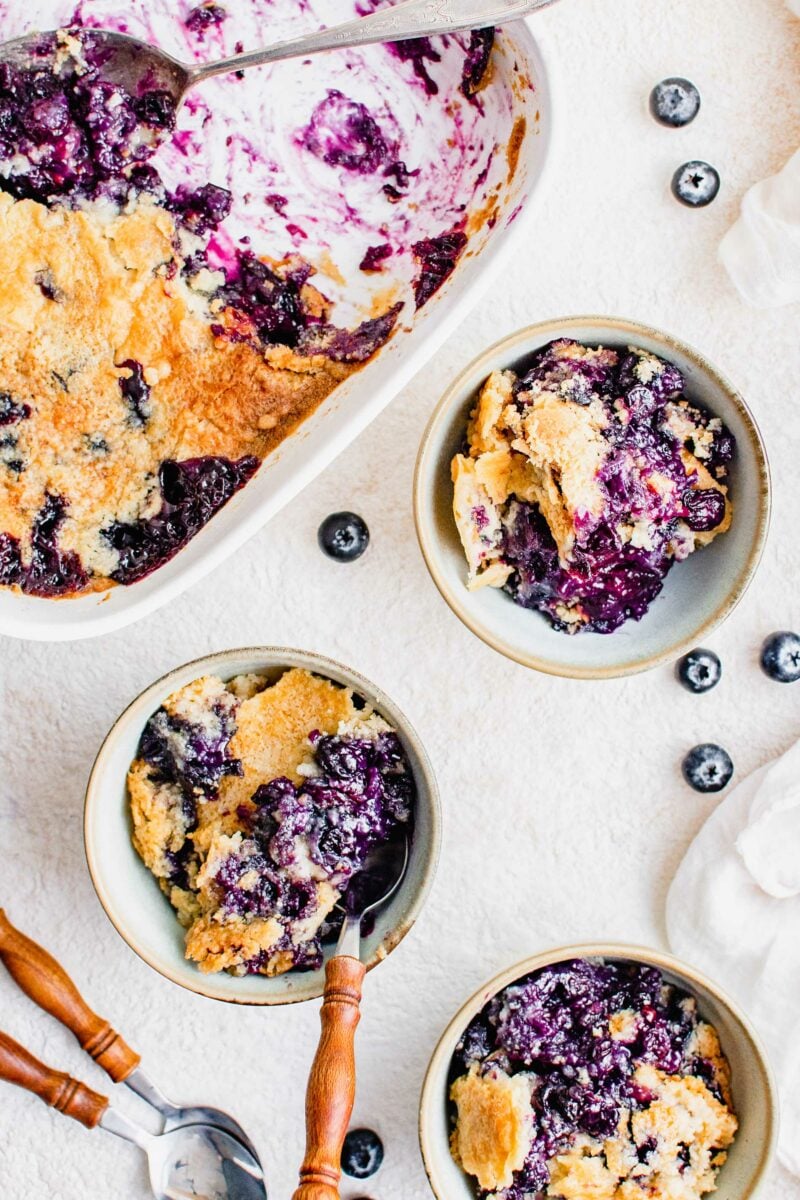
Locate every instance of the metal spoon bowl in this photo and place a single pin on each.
(193, 1162)
(139, 67)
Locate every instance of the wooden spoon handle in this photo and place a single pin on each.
(332, 1084)
(42, 979)
(67, 1095)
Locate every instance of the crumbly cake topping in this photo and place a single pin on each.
(585, 480)
(591, 1079)
(492, 1136)
(254, 805)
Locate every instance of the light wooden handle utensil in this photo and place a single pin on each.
(332, 1083)
(60, 1091)
(46, 983)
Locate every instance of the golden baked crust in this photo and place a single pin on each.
(82, 293)
(493, 1133)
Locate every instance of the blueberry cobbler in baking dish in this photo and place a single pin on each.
(255, 805)
(584, 480)
(151, 353)
(591, 1079)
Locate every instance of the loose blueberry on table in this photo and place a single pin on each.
(696, 184)
(362, 1153)
(343, 536)
(256, 847)
(585, 479)
(707, 768)
(675, 102)
(780, 657)
(700, 670)
(591, 1077)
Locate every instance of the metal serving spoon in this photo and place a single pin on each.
(140, 67)
(45, 982)
(331, 1090)
(193, 1162)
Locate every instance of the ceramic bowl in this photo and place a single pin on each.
(130, 895)
(755, 1097)
(698, 594)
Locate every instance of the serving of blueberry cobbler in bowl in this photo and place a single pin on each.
(233, 805)
(591, 496)
(598, 1072)
(188, 295)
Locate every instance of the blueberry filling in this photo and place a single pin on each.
(135, 392)
(375, 257)
(647, 499)
(557, 1024)
(11, 411)
(69, 133)
(204, 17)
(192, 492)
(193, 755)
(49, 571)
(479, 54)
(437, 258)
(343, 133)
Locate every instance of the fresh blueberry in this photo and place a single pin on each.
(362, 1153)
(674, 102)
(700, 670)
(343, 536)
(707, 768)
(695, 184)
(780, 657)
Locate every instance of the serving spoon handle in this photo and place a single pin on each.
(332, 1083)
(47, 984)
(399, 22)
(58, 1090)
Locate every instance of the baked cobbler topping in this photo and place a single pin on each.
(591, 1079)
(255, 805)
(150, 358)
(585, 480)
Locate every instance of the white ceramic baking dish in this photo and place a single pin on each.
(350, 409)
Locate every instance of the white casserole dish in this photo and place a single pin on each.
(352, 406)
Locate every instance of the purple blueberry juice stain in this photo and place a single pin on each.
(192, 492)
(555, 1023)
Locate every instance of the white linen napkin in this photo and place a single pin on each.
(762, 250)
(734, 910)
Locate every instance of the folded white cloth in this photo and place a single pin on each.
(734, 911)
(762, 250)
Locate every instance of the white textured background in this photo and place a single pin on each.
(565, 811)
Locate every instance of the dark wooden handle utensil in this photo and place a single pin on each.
(46, 983)
(332, 1083)
(60, 1091)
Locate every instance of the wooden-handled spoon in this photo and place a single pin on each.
(332, 1083)
(192, 1162)
(46, 982)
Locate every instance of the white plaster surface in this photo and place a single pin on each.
(565, 811)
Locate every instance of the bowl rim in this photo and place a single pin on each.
(275, 656)
(513, 346)
(431, 1097)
